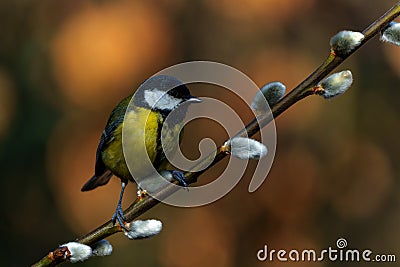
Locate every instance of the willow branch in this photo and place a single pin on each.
(304, 89)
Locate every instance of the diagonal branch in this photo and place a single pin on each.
(304, 89)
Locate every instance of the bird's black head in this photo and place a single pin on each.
(162, 93)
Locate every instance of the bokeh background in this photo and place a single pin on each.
(65, 64)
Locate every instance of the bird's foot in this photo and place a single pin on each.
(180, 177)
(119, 216)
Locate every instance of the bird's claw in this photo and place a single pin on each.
(119, 216)
(180, 177)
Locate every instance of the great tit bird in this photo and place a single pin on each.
(153, 101)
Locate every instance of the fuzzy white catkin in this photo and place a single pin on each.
(270, 93)
(345, 41)
(336, 84)
(246, 148)
(78, 251)
(143, 229)
(392, 34)
(102, 248)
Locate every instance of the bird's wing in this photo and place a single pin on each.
(116, 118)
(101, 173)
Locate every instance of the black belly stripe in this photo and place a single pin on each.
(178, 116)
(159, 150)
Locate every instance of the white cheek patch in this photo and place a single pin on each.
(153, 96)
(160, 99)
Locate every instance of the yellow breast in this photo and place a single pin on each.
(138, 140)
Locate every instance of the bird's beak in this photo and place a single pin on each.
(194, 99)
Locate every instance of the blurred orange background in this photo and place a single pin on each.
(65, 64)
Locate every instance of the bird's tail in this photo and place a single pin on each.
(96, 181)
